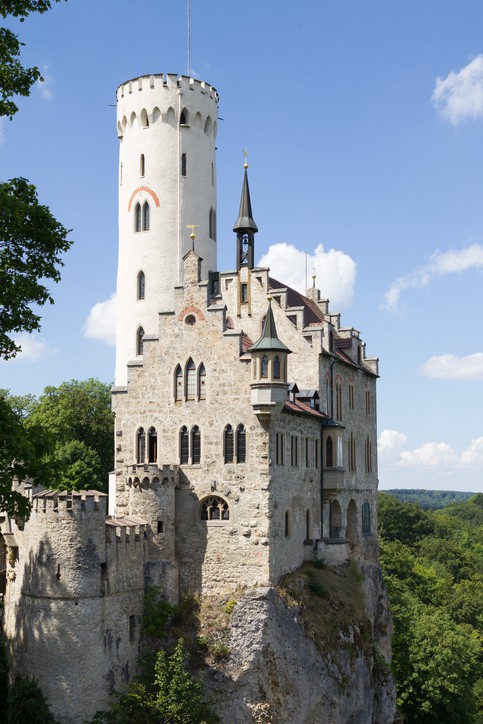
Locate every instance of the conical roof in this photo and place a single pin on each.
(269, 339)
(245, 220)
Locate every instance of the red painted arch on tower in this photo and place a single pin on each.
(148, 191)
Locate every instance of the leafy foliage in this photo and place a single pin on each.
(31, 245)
(28, 704)
(431, 499)
(435, 588)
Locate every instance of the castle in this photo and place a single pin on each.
(245, 424)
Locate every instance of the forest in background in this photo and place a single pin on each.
(432, 561)
(429, 499)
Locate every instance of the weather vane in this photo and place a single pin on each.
(192, 235)
(245, 155)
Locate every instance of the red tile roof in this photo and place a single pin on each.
(312, 313)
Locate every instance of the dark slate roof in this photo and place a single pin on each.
(269, 339)
(245, 219)
(312, 313)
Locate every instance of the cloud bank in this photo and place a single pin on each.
(430, 456)
(460, 95)
(454, 261)
(101, 321)
(336, 271)
(452, 367)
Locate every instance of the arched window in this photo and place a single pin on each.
(214, 508)
(329, 453)
(145, 216)
(184, 446)
(195, 445)
(276, 368)
(208, 125)
(144, 118)
(137, 217)
(335, 519)
(139, 341)
(287, 524)
(141, 446)
(228, 444)
(201, 382)
(141, 285)
(178, 384)
(366, 518)
(264, 370)
(142, 165)
(152, 445)
(241, 444)
(190, 380)
(184, 118)
(212, 224)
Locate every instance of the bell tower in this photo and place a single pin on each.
(167, 127)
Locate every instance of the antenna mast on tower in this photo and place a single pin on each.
(189, 38)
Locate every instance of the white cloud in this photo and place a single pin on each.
(101, 321)
(33, 349)
(460, 94)
(452, 367)
(389, 441)
(44, 86)
(432, 454)
(336, 271)
(473, 455)
(454, 261)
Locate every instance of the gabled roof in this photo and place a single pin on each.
(305, 410)
(269, 339)
(312, 313)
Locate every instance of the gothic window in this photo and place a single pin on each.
(145, 216)
(279, 448)
(329, 452)
(183, 118)
(141, 285)
(152, 445)
(141, 446)
(178, 384)
(144, 118)
(139, 341)
(190, 380)
(214, 508)
(264, 370)
(241, 444)
(183, 164)
(366, 518)
(338, 400)
(202, 382)
(195, 445)
(335, 519)
(142, 165)
(276, 368)
(184, 445)
(137, 217)
(228, 444)
(368, 455)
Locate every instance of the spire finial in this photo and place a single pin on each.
(245, 156)
(314, 277)
(192, 235)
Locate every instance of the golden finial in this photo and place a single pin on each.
(192, 235)
(269, 298)
(314, 277)
(245, 155)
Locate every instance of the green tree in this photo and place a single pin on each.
(405, 522)
(78, 416)
(28, 704)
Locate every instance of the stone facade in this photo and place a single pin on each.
(245, 428)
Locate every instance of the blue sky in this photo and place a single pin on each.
(364, 123)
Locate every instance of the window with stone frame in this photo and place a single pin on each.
(139, 341)
(366, 518)
(264, 367)
(152, 445)
(294, 450)
(178, 384)
(202, 382)
(184, 446)
(195, 445)
(338, 400)
(140, 446)
(316, 452)
(228, 444)
(276, 368)
(241, 444)
(280, 448)
(351, 451)
(214, 508)
(146, 216)
(190, 380)
(368, 455)
(141, 285)
(138, 225)
(329, 452)
(287, 524)
(351, 397)
(368, 402)
(307, 452)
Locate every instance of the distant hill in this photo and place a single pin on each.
(429, 499)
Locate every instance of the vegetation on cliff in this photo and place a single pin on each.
(432, 564)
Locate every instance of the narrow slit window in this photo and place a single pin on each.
(137, 217)
(142, 165)
(141, 285)
(183, 164)
(146, 219)
(139, 341)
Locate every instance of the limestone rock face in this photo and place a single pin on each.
(275, 673)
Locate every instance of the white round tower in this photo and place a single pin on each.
(167, 180)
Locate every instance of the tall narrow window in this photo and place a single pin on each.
(276, 368)
(211, 224)
(351, 397)
(294, 450)
(145, 216)
(316, 451)
(184, 446)
(287, 524)
(178, 384)
(182, 119)
(307, 452)
(142, 165)
(183, 164)
(368, 455)
(308, 525)
(202, 382)
(329, 452)
(338, 400)
(351, 451)
(212, 174)
(152, 445)
(195, 445)
(141, 446)
(137, 217)
(264, 370)
(228, 444)
(139, 341)
(141, 285)
(368, 402)
(366, 518)
(190, 380)
(241, 444)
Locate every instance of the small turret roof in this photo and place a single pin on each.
(245, 219)
(269, 339)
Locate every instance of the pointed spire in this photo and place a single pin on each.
(269, 339)
(245, 220)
